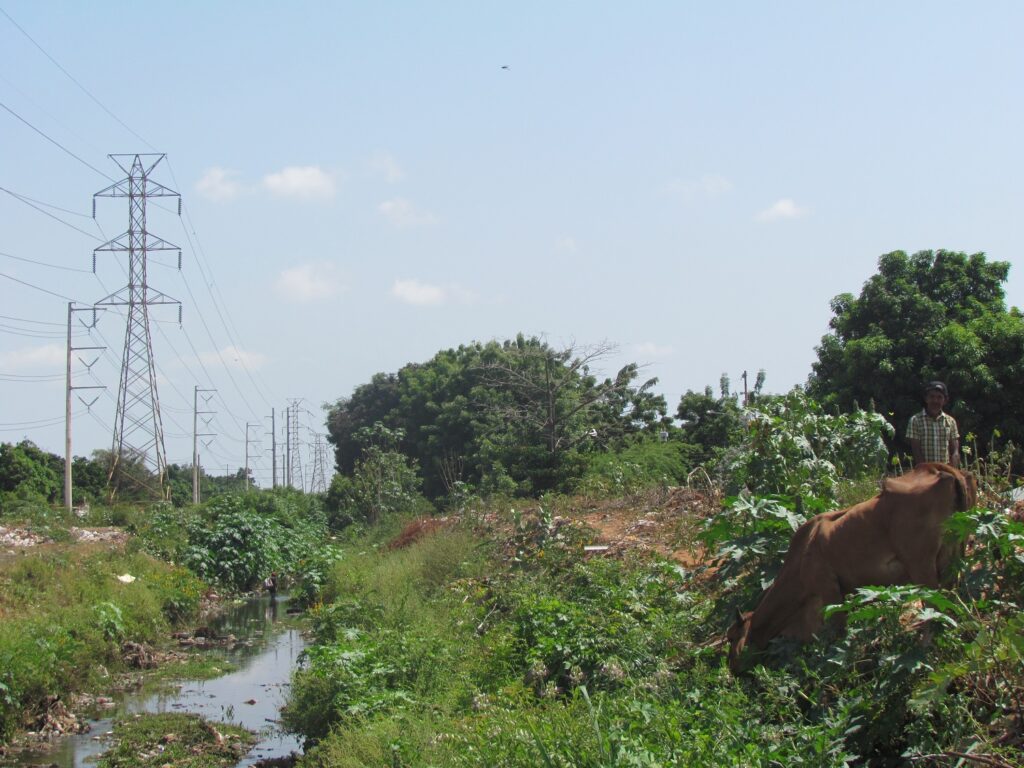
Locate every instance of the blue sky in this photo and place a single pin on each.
(366, 184)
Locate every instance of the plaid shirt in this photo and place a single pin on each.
(934, 434)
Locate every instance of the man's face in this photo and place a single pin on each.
(934, 401)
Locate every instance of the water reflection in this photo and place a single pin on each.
(251, 696)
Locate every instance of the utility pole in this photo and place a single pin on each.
(138, 429)
(746, 397)
(196, 434)
(247, 425)
(273, 448)
(67, 399)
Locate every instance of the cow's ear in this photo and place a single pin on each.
(966, 491)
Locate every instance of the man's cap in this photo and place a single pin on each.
(937, 386)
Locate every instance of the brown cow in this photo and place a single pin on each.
(894, 538)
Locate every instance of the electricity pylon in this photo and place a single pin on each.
(138, 429)
(318, 483)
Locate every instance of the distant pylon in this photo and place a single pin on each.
(318, 483)
(138, 429)
(294, 451)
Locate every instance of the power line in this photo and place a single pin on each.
(42, 264)
(211, 284)
(55, 142)
(73, 80)
(30, 285)
(48, 205)
(25, 200)
(34, 334)
(29, 378)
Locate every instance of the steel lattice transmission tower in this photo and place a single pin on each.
(138, 429)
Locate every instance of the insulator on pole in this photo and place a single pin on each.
(94, 261)
(94, 207)
(179, 306)
(179, 206)
(179, 261)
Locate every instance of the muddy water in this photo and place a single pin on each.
(251, 696)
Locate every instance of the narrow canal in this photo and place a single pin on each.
(251, 696)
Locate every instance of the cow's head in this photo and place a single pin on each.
(737, 636)
(966, 490)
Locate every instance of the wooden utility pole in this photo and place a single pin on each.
(196, 434)
(247, 425)
(67, 401)
(273, 447)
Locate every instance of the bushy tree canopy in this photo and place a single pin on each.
(518, 413)
(933, 315)
(27, 470)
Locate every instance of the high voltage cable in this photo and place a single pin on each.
(14, 426)
(73, 80)
(56, 143)
(196, 251)
(42, 264)
(217, 351)
(119, 121)
(30, 334)
(25, 200)
(53, 118)
(26, 320)
(44, 290)
(48, 205)
(18, 378)
(210, 283)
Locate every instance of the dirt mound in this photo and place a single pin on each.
(666, 521)
(417, 530)
(23, 538)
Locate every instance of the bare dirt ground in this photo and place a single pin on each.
(666, 522)
(663, 521)
(15, 540)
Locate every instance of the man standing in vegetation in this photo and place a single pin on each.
(933, 434)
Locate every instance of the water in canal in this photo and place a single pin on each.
(264, 657)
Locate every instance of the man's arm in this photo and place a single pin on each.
(954, 451)
(916, 451)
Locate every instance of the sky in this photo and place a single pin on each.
(366, 184)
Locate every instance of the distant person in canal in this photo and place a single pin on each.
(932, 433)
(270, 583)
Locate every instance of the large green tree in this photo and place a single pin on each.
(933, 315)
(518, 411)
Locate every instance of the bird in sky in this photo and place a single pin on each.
(504, 66)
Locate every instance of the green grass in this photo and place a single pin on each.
(504, 647)
(181, 740)
(64, 613)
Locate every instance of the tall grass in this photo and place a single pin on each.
(519, 652)
(64, 615)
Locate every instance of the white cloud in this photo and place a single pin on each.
(307, 182)
(218, 184)
(566, 244)
(46, 356)
(421, 294)
(383, 164)
(649, 349)
(417, 293)
(310, 282)
(709, 187)
(781, 209)
(402, 213)
(235, 357)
